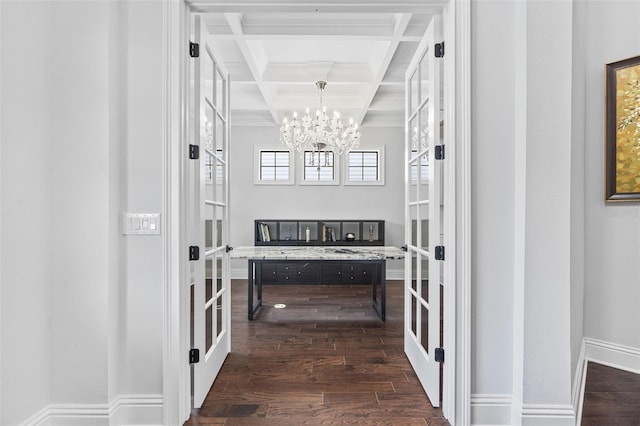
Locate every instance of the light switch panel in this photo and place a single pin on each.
(140, 223)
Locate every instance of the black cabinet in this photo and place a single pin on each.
(315, 272)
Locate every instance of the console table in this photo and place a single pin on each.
(317, 265)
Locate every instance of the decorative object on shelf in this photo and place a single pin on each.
(370, 232)
(350, 236)
(319, 134)
(307, 234)
(622, 176)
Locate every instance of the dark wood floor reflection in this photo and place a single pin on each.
(611, 397)
(325, 359)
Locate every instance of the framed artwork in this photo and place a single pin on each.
(622, 130)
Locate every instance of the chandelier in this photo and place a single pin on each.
(319, 133)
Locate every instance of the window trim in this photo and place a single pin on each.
(381, 167)
(257, 156)
(336, 173)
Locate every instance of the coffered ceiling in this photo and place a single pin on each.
(276, 53)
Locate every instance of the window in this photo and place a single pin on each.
(273, 166)
(365, 167)
(319, 168)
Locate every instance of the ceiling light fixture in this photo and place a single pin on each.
(320, 133)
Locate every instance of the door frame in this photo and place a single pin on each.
(457, 320)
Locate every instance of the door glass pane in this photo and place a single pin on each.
(208, 227)
(218, 272)
(220, 142)
(424, 278)
(413, 211)
(414, 270)
(424, 127)
(424, 76)
(414, 91)
(209, 274)
(219, 323)
(207, 73)
(208, 328)
(219, 219)
(220, 86)
(414, 320)
(424, 228)
(424, 327)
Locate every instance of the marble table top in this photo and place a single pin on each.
(317, 253)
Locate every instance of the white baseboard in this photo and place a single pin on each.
(579, 380)
(123, 410)
(240, 273)
(617, 356)
(548, 415)
(491, 409)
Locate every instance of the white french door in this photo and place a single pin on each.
(209, 216)
(423, 213)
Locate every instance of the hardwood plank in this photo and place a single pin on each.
(612, 397)
(326, 359)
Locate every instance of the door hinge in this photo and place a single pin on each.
(194, 50)
(439, 252)
(404, 248)
(194, 253)
(439, 152)
(194, 152)
(439, 50)
(194, 356)
(228, 248)
(439, 355)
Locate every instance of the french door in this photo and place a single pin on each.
(423, 213)
(208, 195)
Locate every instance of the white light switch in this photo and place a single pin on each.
(140, 223)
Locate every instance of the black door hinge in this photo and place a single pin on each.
(439, 50)
(228, 248)
(194, 50)
(194, 356)
(194, 253)
(439, 152)
(404, 248)
(439, 355)
(439, 252)
(194, 152)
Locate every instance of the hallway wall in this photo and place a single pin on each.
(80, 304)
(612, 230)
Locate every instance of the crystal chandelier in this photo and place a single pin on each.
(319, 133)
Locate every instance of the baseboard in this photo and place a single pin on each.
(124, 410)
(548, 415)
(579, 380)
(617, 356)
(240, 273)
(491, 409)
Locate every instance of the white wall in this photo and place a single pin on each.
(612, 231)
(81, 307)
(250, 201)
(493, 131)
(26, 231)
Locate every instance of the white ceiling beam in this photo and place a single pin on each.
(401, 25)
(310, 6)
(234, 20)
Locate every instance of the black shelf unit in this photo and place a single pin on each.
(291, 232)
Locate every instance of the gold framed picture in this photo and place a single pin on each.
(622, 130)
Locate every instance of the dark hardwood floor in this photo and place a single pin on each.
(611, 397)
(326, 359)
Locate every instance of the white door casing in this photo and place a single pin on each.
(423, 212)
(209, 221)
